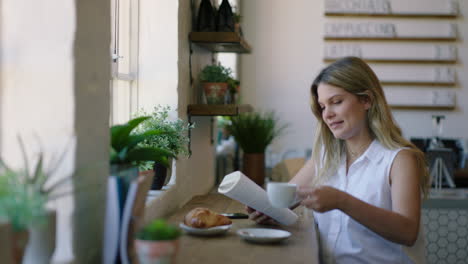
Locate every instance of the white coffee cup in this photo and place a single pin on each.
(281, 194)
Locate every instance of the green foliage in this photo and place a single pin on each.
(173, 139)
(24, 192)
(21, 204)
(215, 73)
(237, 18)
(233, 83)
(159, 229)
(255, 131)
(125, 148)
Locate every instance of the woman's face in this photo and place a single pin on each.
(343, 112)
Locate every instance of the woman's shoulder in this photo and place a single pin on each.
(379, 152)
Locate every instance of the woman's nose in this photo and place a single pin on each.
(328, 113)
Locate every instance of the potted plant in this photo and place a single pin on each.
(125, 156)
(254, 132)
(214, 81)
(174, 140)
(157, 242)
(21, 206)
(23, 197)
(237, 21)
(233, 86)
(126, 153)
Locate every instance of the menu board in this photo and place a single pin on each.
(400, 52)
(392, 7)
(390, 30)
(412, 50)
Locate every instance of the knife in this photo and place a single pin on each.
(236, 215)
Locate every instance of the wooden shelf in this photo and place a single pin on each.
(422, 16)
(407, 39)
(220, 41)
(217, 110)
(408, 61)
(422, 107)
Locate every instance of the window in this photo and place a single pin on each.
(144, 56)
(124, 48)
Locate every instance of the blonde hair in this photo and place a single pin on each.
(355, 76)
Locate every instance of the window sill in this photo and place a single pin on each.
(157, 194)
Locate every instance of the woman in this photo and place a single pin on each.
(367, 180)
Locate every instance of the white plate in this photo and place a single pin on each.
(217, 230)
(263, 235)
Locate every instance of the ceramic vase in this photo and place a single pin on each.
(162, 175)
(254, 167)
(156, 252)
(41, 244)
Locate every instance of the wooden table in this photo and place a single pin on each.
(301, 247)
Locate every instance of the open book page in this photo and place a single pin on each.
(239, 187)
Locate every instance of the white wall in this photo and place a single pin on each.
(158, 50)
(195, 175)
(55, 87)
(286, 55)
(37, 80)
(287, 43)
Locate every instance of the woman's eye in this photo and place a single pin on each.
(338, 102)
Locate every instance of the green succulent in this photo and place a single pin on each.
(159, 229)
(24, 192)
(21, 204)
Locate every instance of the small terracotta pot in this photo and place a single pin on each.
(215, 92)
(254, 167)
(150, 252)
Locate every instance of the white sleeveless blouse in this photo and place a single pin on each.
(342, 239)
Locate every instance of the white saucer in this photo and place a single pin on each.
(263, 235)
(217, 230)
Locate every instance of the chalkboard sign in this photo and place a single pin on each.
(392, 7)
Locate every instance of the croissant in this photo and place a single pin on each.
(205, 218)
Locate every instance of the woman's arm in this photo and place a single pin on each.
(400, 225)
(304, 176)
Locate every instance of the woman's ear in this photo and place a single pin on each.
(367, 100)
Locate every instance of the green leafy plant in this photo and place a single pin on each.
(125, 148)
(233, 84)
(255, 131)
(20, 205)
(215, 73)
(24, 192)
(173, 139)
(159, 229)
(237, 18)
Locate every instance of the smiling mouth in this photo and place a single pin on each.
(335, 124)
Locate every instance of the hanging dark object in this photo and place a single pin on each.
(225, 18)
(206, 17)
(160, 174)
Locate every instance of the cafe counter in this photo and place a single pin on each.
(300, 247)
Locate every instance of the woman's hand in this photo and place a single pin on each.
(321, 199)
(259, 217)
